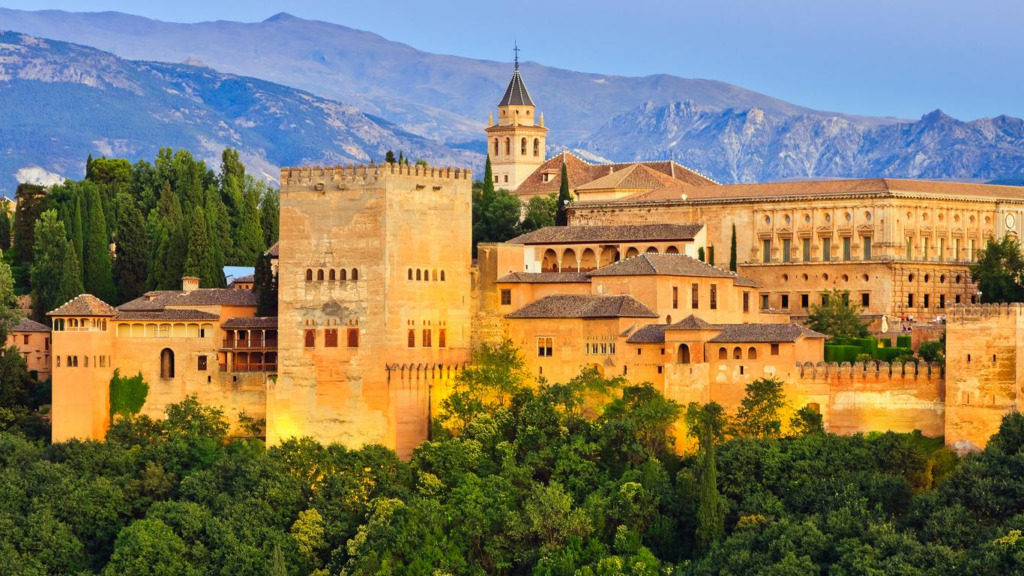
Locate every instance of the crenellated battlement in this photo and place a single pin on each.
(824, 371)
(962, 314)
(312, 175)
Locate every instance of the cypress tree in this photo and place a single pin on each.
(390, 157)
(270, 217)
(199, 261)
(5, 226)
(131, 265)
(265, 285)
(401, 158)
(249, 234)
(711, 506)
(76, 231)
(167, 238)
(562, 216)
(488, 177)
(55, 270)
(700, 253)
(711, 255)
(88, 167)
(732, 250)
(218, 231)
(31, 204)
(99, 279)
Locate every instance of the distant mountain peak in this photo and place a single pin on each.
(937, 115)
(282, 17)
(193, 61)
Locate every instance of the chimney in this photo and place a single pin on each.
(189, 283)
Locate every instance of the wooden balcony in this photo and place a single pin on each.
(250, 344)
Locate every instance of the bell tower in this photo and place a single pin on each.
(517, 142)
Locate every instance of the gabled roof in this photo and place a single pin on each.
(650, 334)
(602, 234)
(161, 299)
(544, 278)
(585, 306)
(581, 172)
(668, 265)
(84, 305)
(692, 322)
(516, 94)
(632, 177)
(753, 333)
(255, 322)
(26, 325)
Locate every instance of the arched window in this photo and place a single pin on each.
(70, 365)
(344, 274)
(723, 354)
(536, 146)
(495, 146)
(310, 338)
(86, 361)
(166, 363)
(434, 278)
(752, 353)
(668, 319)
(355, 274)
(426, 275)
(419, 274)
(684, 354)
(737, 354)
(309, 275)
(508, 146)
(331, 276)
(522, 147)
(442, 275)
(320, 275)
(410, 273)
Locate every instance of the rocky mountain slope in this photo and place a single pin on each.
(755, 145)
(60, 102)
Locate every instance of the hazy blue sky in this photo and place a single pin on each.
(879, 57)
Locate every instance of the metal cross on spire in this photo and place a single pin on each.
(515, 49)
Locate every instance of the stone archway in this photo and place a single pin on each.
(683, 356)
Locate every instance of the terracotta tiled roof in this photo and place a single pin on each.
(581, 172)
(668, 265)
(516, 94)
(693, 322)
(161, 299)
(883, 187)
(84, 305)
(274, 251)
(544, 278)
(650, 334)
(585, 306)
(632, 177)
(26, 325)
(624, 233)
(750, 333)
(255, 322)
(167, 314)
(248, 279)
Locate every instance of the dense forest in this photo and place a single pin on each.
(518, 477)
(166, 219)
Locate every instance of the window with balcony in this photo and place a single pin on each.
(545, 347)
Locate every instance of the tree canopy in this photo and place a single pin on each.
(999, 271)
(836, 316)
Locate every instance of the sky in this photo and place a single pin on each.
(900, 58)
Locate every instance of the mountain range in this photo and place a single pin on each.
(435, 106)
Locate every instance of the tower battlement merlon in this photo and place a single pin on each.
(962, 313)
(312, 175)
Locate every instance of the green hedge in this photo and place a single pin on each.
(842, 353)
(890, 354)
(903, 342)
(886, 342)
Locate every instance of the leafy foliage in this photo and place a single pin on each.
(999, 270)
(127, 394)
(836, 316)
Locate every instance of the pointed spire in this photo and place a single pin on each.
(515, 44)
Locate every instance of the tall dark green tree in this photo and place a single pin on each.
(732, 250)
(131, 264)
(31, 204)
(999, 271)
(5, 225)
(265, 285)
(98, 279)
(218, 229)
(270, 217)
(168, 243)
(390, 157)
(249, 234)
(55, 271)
(488, 183)
(709, 422)
(199, 261)
(564, 199)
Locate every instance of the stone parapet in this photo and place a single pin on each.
(339, 175)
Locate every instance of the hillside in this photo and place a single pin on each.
(60, 102)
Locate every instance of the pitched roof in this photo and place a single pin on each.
(594, 234)
(750, 333)
(632, 177)
(864, 187)
(167, 314)
(84, 305)
(650, 334)
(544, 278)
(274, 251)
(26, 325)
(668, 265)
(585, 306)
(161, 299)
(581, 172)
(516, 94)
(265, 322)
(692, 322)
(249, 278)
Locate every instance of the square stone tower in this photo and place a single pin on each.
(517, 143)
(374, 275)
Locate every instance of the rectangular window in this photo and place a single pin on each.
(927, 299)
(910, 248)
(353, 337)
(942, 300)
(544, 347)
(775, 349)
(442, 338)
(846, 298)
(942, 249)
(695, 296)
(764, 302)
(200, 363)
(331, 338)
(824, 299)
(846, 248)
(310, 338)
(971, 255)
(806, 252)
(604, 348)
(412, 338)
(427, 343)
(714, 297)
(26, 339)
(865, 299)
(746, 302)
(506, 297)
(805, 300)
(766, 247)
(784, 301)
(826, 249)
(924, 248)
(786, 243)
(866, 243)
(639, 351)
(910, 300)
(46, 344)
(675, 297)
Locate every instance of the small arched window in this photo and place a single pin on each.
(495, 146)
(522, 147)
(331, 276)
(536, 146)
(87, 361)
(723, 354)
(426, 275)
(166, 363)
(355, 274)
(410, 273)
(508, 146)
(344, 274)
(737, 354)
(320, 275)
(435, 276)
(442, 275)
(309, 275)
(419, 274)
(752, 353)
